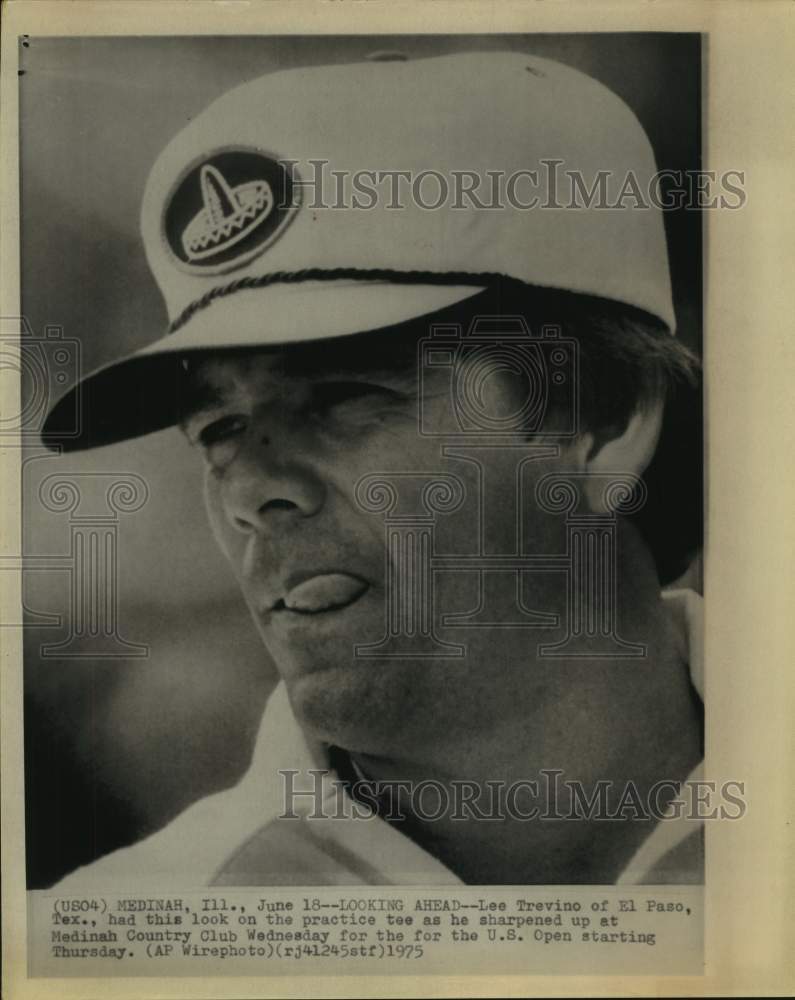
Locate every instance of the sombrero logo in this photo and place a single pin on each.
(227, 209)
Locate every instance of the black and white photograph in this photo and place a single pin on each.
(363, 478)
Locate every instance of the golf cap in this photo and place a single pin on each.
(325, 201)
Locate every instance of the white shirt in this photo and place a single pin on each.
(224, 838)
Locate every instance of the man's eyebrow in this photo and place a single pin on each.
(382, 374)
(361, 356)
(197, 397)
(319, 368)
(199, 394)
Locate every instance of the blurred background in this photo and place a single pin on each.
(117, 747)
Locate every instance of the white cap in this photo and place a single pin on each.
(277, 215)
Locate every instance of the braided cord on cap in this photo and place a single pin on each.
(336, 274)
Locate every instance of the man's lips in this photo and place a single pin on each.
(320, 593)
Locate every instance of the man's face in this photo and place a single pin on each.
(286, 435)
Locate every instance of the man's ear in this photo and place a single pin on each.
(630, 451)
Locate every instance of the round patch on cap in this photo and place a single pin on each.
(226, 208)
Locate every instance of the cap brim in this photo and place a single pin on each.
(140, 394)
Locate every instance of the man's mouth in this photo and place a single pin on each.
(322, 593)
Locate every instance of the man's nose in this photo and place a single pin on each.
(271, 482)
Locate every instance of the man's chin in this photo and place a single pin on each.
(376, 706)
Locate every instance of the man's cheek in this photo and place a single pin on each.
(231, 542)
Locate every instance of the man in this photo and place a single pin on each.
(396, 345)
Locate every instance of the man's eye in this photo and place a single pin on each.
(221, 430)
